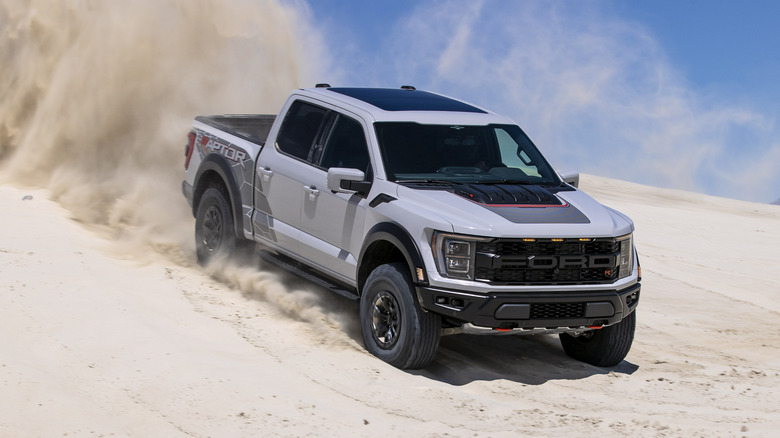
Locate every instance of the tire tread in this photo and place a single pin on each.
(608, 346)
(418, 350)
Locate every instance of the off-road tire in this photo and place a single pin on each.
(215, 237)
(395, 328)
(604, 347)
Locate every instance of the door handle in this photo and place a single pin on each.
(312, 191)
(266, 172)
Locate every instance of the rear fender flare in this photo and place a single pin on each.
(214, 163)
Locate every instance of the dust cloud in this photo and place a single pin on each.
(98, 96)
(333, 321)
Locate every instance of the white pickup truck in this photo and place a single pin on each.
(441, 217)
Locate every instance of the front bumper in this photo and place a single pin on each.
(508, 310)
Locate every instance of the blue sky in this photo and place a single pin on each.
(679, 94)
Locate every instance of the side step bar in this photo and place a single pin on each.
(307, 274)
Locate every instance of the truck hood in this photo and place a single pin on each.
(510, 210)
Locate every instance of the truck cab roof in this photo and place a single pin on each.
(407, 104)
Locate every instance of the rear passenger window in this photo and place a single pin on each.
(346, 146)
(299, 129)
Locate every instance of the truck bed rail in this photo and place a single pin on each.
(250, 127)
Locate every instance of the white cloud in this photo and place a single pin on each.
(596, 92)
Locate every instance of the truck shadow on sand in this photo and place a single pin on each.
(462, 359)
(531, 360)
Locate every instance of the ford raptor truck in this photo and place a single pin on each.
(439, 216)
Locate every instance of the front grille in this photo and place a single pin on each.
(548, 261)
(558, 311)
(548, 247)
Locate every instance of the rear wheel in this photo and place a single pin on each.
(604, 347)
(395, 328)
(214, 235)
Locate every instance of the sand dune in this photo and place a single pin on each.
(99, 345)
(107, 327)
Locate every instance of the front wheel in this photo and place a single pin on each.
(395, 328)
(604, 347)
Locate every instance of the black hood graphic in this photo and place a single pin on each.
(522, 204)
(507, 194)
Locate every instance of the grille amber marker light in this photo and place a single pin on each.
(585, 239)
(529, 240)
(557, 240)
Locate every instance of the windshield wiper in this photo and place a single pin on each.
(510, 181)
(426, 180)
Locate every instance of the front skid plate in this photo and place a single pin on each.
(471, 329)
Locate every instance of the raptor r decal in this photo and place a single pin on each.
(232, 153)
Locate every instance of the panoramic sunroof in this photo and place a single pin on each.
(392, 99)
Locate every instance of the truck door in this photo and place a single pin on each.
(332, 223)
(279, 180)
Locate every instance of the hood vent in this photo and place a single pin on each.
(507, 195)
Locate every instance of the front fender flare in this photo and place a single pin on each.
(397, 236)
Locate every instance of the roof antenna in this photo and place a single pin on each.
(408, 87)
(322, 85)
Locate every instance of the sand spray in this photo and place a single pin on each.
(97, 96)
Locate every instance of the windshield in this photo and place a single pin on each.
(414, 152)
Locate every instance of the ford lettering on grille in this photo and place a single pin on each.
(511, 261)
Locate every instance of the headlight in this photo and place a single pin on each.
(626, 261)
(455, 254)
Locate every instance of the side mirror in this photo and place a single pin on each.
(342, 180)
(569, 177)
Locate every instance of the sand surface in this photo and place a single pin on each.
(109, 328)
(96, 340)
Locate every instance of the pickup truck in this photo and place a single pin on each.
(439, 216)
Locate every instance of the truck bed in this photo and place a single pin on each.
(250, 127)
